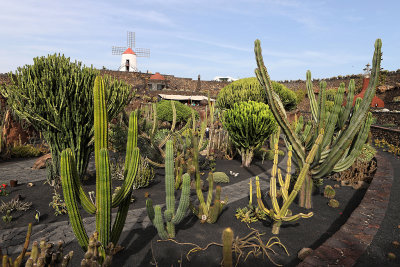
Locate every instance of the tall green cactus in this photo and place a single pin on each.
(72, 188)
(346, 128)
(281, 214)
(171, 216)
(55, 95)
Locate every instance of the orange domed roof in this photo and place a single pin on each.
(157, 76)
(129, 51)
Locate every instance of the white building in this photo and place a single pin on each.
(128, 61)
(224, 79)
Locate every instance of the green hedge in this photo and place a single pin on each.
(183, 112)
(249, 89)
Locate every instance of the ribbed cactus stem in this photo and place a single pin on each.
(74, 193)
(171, 217)
(227, 240)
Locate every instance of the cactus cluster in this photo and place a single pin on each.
(74, 193)
(346, 128)
(280, 214)
(44, 254)
(205, 211)
(7, 261)
(171, 216)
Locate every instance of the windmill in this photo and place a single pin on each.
(129, 53)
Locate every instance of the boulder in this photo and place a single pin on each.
(41, 162)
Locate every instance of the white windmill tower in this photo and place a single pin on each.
(129, 53)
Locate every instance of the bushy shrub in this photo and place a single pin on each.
(250, 89)
(25, 151)
(300, 95)
(118, 136)
(219, 177)
(249, 124)
(330, 94)
(183, 112)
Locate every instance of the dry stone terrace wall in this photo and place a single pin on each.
(139, 81)
(392, 78)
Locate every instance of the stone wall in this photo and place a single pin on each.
(174, 84)
(392, 136)
(389, 78)
(386, 118)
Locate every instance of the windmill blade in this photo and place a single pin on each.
(118, 50)
(142, 52)
(130, 39)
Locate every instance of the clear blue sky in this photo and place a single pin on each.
(210, 38)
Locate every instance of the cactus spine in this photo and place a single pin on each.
(277, 214)
(346, 128)
(74, 193)
(171, 216)
(227, 240)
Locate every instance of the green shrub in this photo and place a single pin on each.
(219, 177)
(118, 136)
(330, 94)
(300, 95)
(25, 151)
(329, 105)
(249, 124)
(250, 89)
(183, 112)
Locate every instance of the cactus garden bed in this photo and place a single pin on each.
(142, 248)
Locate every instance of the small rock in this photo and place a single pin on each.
(396, 244)
(30, 184)
(303, 253)
(391, 256)
(336, 186)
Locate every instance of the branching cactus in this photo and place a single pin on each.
(171, 216)
(346, 128)
(281, 214)
(205, 212)
(72, 188)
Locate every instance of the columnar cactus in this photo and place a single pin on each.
(281, 214)
(205, 212)
(171, 216)
(72, 188)
(346, 128)
(227, 240)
